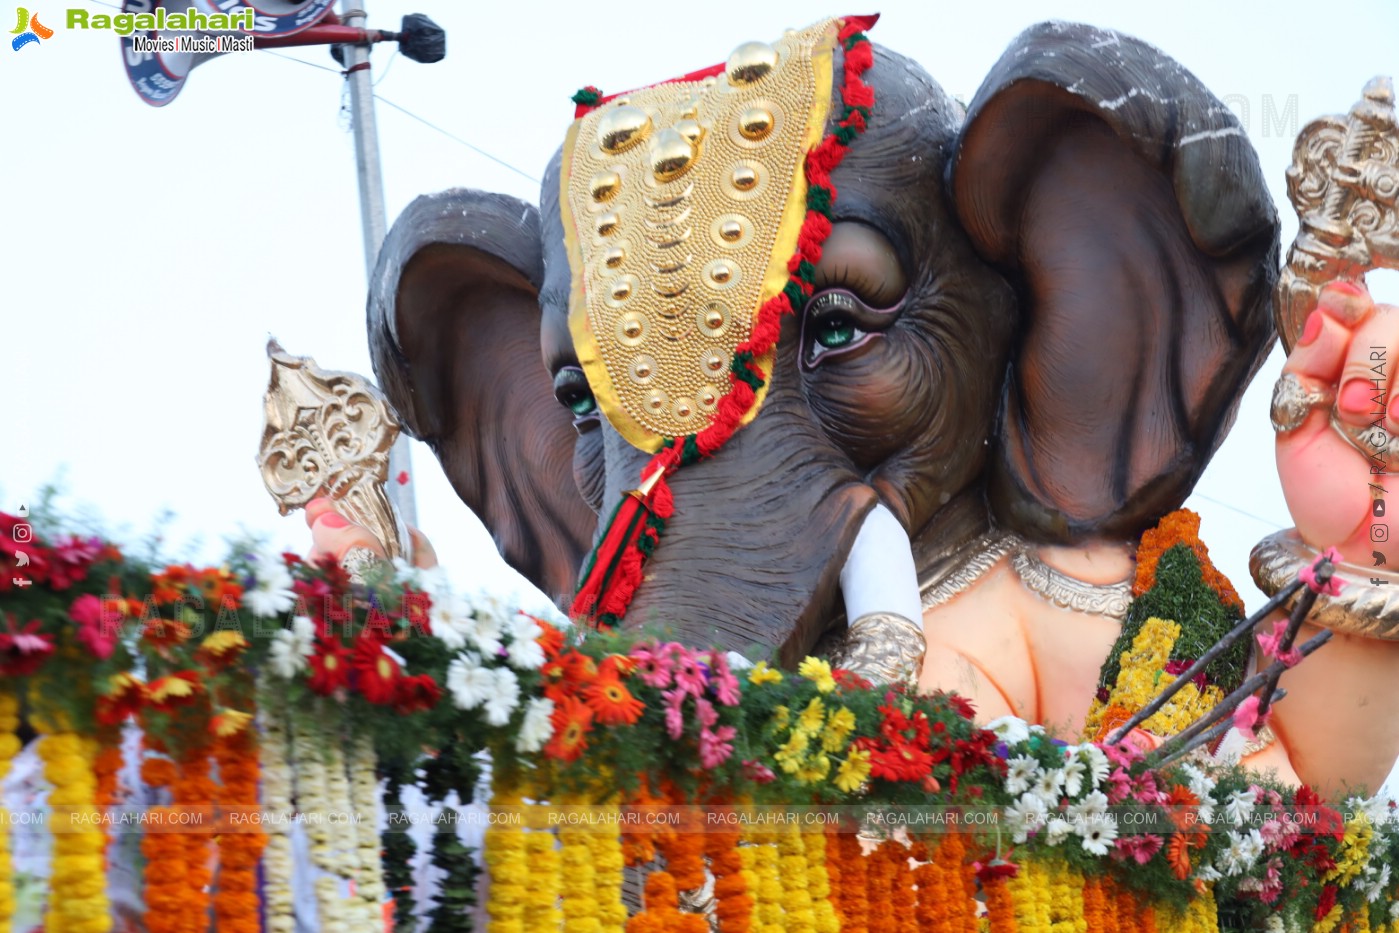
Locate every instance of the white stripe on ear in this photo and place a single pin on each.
(879, 575)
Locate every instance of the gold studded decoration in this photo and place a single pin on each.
(681, 206)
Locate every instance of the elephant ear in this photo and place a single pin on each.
(454, 335)
(1127, 208)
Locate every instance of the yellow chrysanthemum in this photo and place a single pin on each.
(811, 717)
(853, 771)
(819, 673)
(789, 756)
(762, 674)
(220, 643)
(229, 722)
(813, 769)
(781, 717)
(167, 688)
(838, 729)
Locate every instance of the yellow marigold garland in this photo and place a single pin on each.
(1029, 891)
(768, 890)
(541, 895)
(510, 873)
(578, 878)
(9, 748)
(608, 864)
(78, 882)
(819, 883)
(800, 917)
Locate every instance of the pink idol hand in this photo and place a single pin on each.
(335, 535)
(1337, 490)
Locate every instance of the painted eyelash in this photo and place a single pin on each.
(855, 280)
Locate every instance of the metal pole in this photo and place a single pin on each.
(371, 202)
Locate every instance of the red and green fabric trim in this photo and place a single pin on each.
(634, 530)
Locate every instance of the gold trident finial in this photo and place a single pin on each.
(1343, 182)
(329, 434)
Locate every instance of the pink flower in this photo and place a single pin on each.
(1246, 718)
(1272, 644)
(1279, 834)
(1307, 575)
(23, 651)
(652, 665)
(689, 675)
(1139, 849)
(715, 747)
(1123, 753)
(98, 626)
(705, 713)
(1119, 786)
(1146, 790)
(674, 717)
(722, 682)
(758, 772)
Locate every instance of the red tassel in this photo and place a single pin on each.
(615, 571)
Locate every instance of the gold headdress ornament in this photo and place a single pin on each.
(694, 213)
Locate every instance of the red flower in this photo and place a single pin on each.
(612, 703)
(330, 667)
(23, 651)
(896, 760)
(848, 680)
(124, 698)
(996, 868)
(572, 720)
(180, 689)
(376, 674)
(567, 674)
(165, 633)
(1325, 902)
(418, 693)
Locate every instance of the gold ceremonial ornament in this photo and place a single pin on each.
(329, 434)
(681, 207)
(1344, 185)
(1293, 401)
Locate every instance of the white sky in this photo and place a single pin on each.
(148, 253)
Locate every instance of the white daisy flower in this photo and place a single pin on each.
(1099, 835)
(1201, 784)
(537, 727)
(1092, 806)
(1057, 830)
(524, 652)
(469, 683)
(1025, 816)
(485, 627)
(1243, 850)
(1377, 884)
(271, 593)
(291, 647)
(1020, 771)
(448, 619)
(504, 697)
(1394, 911)
(1208, 873)
(1046, 785)
(1011, 730)
(1096, 761)
(1073, 773)
(1239, 807)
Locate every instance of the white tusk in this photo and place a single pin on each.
(878, 575)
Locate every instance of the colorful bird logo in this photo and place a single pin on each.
(28, 29)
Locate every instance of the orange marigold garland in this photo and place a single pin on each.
(844, 848)
(236, 895)
(193, 792)
(662, 909)
(902, 896)
(880, 874)
(1180, 527)
(734, 908)
(1000, 907)
(931, 908)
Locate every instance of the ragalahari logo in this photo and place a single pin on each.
(28, 30)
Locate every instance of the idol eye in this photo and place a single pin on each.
(572, 391)
(859, 259)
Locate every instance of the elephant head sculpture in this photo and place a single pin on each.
(1037, 315)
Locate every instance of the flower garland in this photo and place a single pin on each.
(931, 908)
(78, 883)
(608, 870)
(164, 852)
(1029, 889)
(767, 887)
(191, 793)
(797, 902)
(456, 893)
(881, 887)
(9, 748)
(610, 578)
(236, 895)
(508, 864)
(312, 763)
(847, 865)
(734, 908)
(1000, 908)
(1145, 670)
(578, 881)
(661, 913)
(541, 896)
(903, 898)
(278, 863)
(364, 804)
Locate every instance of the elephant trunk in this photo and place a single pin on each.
(760, 544)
